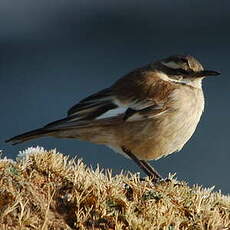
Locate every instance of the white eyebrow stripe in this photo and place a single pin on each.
(172, 65)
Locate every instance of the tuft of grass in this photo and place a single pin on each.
(47, 190)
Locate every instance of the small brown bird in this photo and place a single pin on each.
(149, 113)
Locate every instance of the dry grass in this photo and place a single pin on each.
(44, 190)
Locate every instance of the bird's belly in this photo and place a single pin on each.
(164, 139)
(167, 134)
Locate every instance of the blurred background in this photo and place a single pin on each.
(54, 53)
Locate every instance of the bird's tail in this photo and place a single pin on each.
(28, 136)
(66, 128)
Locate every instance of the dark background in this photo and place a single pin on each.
(53, 53)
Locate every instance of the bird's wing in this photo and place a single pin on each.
(87, 109)
(143, 93)
(142, 101)
(93, 106)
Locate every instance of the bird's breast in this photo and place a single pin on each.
(185, 110)
(168, 133)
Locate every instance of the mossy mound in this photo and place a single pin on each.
(45, 190)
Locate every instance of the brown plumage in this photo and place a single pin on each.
(157, 110)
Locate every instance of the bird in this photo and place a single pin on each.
(148, 113)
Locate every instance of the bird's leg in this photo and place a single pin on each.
(152, 170)
(146, 167)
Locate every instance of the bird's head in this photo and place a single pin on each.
(184, 69)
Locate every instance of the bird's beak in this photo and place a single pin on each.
(206, 73)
